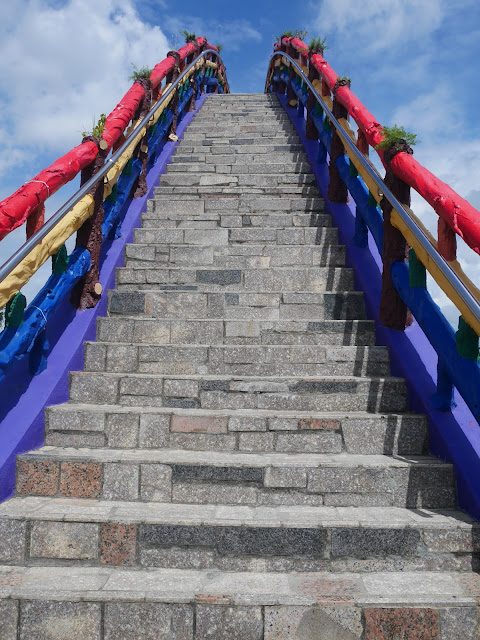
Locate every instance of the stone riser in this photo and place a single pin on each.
(243, 204)
(90, 426)
(268, 360)
(292, 169)
(241, 282)
(281, 193)
(232, 219)
(195, 612)
(233, 159)
(208, 392)
(235, 548)
(216, 332)
(228, 180)
(309, 236)
(203, 305)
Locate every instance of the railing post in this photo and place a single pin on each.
(337, 190)
(88, 290)
(171, 133)
(141, 152)
(310, 128)
(393, 313)
(447, 240)
(291, 95)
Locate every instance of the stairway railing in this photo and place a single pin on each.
(96, 210)
(404, 284)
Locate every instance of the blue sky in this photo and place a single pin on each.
(412, 62)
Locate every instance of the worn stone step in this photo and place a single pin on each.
(279, 192)
(194, 304)
(83, 425)
(117, 602)
(243, 235)
(256, 147)
(238, 280)
(242, 360)
(281, 168)
(233, 257)
(235, 159)
(231, 180)
(315, 393)
(172, 330)
(230, 218)
(237, 478)
(239, 203)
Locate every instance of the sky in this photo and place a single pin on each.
(412, 62)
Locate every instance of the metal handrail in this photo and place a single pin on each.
(51, 223)
(452, 278)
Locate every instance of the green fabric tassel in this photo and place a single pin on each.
(14, 311)
(127, 170)
(467, 340)
(352, 170)
(60, 260)
(371, 200)
(417, 272)
(113, 196)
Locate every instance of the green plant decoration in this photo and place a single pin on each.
(395, 136)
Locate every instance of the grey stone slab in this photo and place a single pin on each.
(12, 541)
(217, 474)
(149, 621)
(8, 619)
(64, 540)
(120, 481)
(459, 623)
(368, 542)
(51, 620)
(228, 623)
(312, 623)
(122, 430)
(155, 482)
(154, 431)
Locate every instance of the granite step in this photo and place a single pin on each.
(280, 192)
(141, 330)
(278, 181)
(242, 203)
(241, 360)
(232, 219)
(119, 603)
(183, 301)
(284, 393)
(88, 425)
(237, 478)
(280, 168)
(276, 279)
(235, 159)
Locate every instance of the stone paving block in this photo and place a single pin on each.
(368, 542)
(51, 620)
(312, 623)
(37, 477)
(228, 623)
(80, 479)
(203, 441)
(459, 623)
(187, 492)
(405, 623)
(12, 541)
(64, 540)
(199, 424)
(60, 420)
(154, 431)
(155, 482)
(118, 544)
(120, 481)
(9, 619)
(316, 442)
(122, 430)
(148, 621)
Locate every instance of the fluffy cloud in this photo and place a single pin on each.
(64, 63)
(233, 32)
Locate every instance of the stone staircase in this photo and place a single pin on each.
(235, 461)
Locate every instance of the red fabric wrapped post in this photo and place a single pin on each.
(455, 210)
(327, 73)
(15, 209)
(161, 70)
(118, 120)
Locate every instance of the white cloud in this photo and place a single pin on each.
(62, 66)
(374, 25)
(233, 33)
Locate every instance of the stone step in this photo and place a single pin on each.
(230, 218)
(281, 168)
(83, 425)
(257, 147)
(121, 603)
(236, 360)
(237, 478)
(238, 280)
(192, 304)
(233, 257)
(235, 136)
(280, 192)
(213, 332)
(309, 236)
(235, 159)
(238, 203)
(230, 180)
(275, 393)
